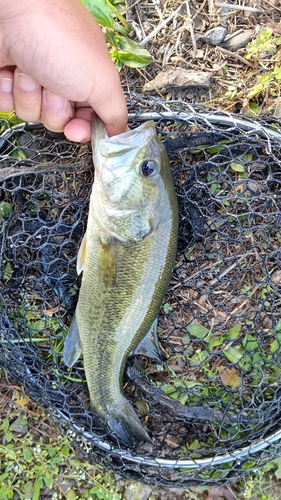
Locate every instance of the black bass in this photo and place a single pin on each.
(127, 257)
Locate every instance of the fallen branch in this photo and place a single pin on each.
(235, 56)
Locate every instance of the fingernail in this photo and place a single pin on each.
(27, 83)
(6, 85)
(54, 101)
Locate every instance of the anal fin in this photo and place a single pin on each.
(149, 345)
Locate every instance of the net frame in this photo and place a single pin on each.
(146, 466)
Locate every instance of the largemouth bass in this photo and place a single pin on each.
(127, 256)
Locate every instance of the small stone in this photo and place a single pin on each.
(215, 36)
(178, 78)
(137, 490)
(278, 110)
(18, 426)
(223, 10)
(66, 483)
(238, 41)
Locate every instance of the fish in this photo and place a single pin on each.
(127, 257)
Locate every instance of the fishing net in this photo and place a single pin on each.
(213, 406)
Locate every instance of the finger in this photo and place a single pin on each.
(6, 91)
(109, 103)
(27, 97)
(56, 111)
(79, 128)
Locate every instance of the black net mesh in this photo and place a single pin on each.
(213, 407)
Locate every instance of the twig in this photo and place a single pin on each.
(226, 271)
(235, 56)
(238, 7)
(190, 27)
(28, 167)
(211, 7)
(160, 26)
(174, 407)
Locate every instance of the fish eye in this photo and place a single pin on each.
(148, 167)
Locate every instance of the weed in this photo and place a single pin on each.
(256, 85)
(260, 484)
(123, 50)
(29, 466)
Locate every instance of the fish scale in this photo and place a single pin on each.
(124, 277)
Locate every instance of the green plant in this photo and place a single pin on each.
(264, 483)
(123, 51)
(263, 43)
(264, 80)
(30, 466)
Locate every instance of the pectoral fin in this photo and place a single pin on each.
(72, 345)
(149, 346)
(81, 255)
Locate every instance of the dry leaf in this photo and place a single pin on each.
(230, 377)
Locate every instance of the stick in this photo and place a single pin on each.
(235, 56)
(190, 27)
(238, 7)
(160, 26)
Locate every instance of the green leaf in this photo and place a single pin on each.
(250, 343)
(234, 332)
(52, 451)
(132, 60)
(198, 331)
(5, 208)
(168, 389)
(70, 495)
(100, 10)
(5, 424)
(127, 45)
(8, 436)
(195, 445)
(237, 167)
(18, 154)
(216, 341)
(65, 452)
(37, 488)
(214, 149)
(130, 52)
(48, 480)
(232, 354)
(254, 108)
(26, 454)
(183, 399)
(277, 72)
(167, 308)
(277, 462)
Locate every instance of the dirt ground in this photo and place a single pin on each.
(180, 36)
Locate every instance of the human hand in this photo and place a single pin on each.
(55, 68)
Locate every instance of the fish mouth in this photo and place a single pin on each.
(120, 144)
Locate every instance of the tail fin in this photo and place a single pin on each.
(125, 424)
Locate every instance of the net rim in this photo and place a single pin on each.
(216, 118)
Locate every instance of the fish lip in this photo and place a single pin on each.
(118, 145)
